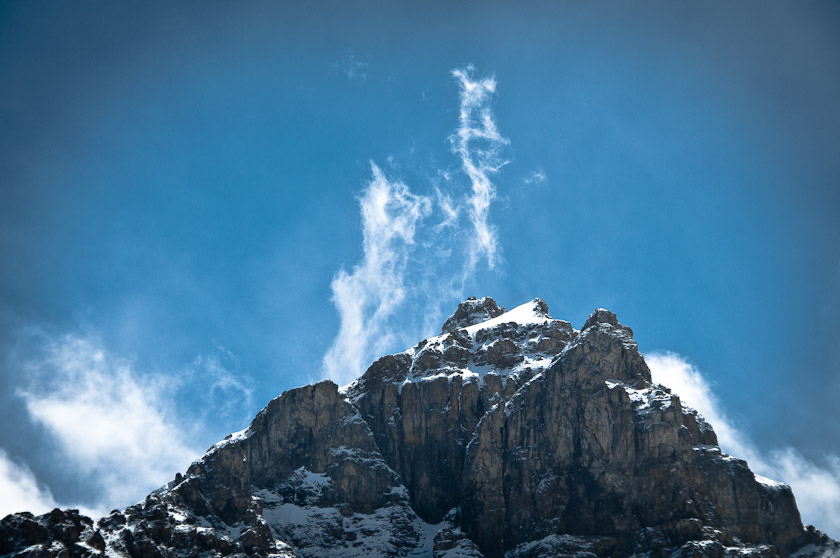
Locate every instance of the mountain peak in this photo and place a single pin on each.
(475, 311)
(470, 312)
(510, 435)
(604, 316)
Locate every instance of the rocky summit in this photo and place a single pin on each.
(509, 434)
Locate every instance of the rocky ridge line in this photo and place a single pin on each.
(509, 434)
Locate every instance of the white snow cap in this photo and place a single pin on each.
(533, 312)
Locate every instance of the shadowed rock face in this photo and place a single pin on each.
(511, 434)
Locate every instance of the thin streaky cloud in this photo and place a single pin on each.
(536, 177)
(448, 208)
(117, 431)
(478, 144)
(373, 291)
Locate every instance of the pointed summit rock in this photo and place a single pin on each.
(603, 316)
(470, 312)
(510, 434)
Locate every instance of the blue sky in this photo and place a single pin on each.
(180, 195)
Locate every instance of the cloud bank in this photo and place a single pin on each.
(816, 486)
(419, 244)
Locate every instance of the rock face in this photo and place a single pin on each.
(509, 434)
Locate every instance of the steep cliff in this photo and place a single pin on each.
(509, 434)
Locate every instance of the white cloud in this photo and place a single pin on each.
(403, 254)
(478, 144)
(675, 372)
(816, 486)
(113, 425)
(450, 210)
(20, 490)
(536, 177)
(369, 295)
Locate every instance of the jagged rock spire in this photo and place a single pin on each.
(472, 311)
(604, 316)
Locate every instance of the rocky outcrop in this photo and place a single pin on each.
(65, 531)
(308, 429)
(591, 448)
(470, 312)
(510, 434)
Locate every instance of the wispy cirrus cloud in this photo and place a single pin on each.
(816, 486)
(427, 244)
(536, 177)
(373, 291)
(478, 144)
(449, 209)
(354, 68)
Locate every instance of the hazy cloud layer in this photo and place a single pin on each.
(115, 427)
(405, 254)
(117, 431)
(816, 486)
